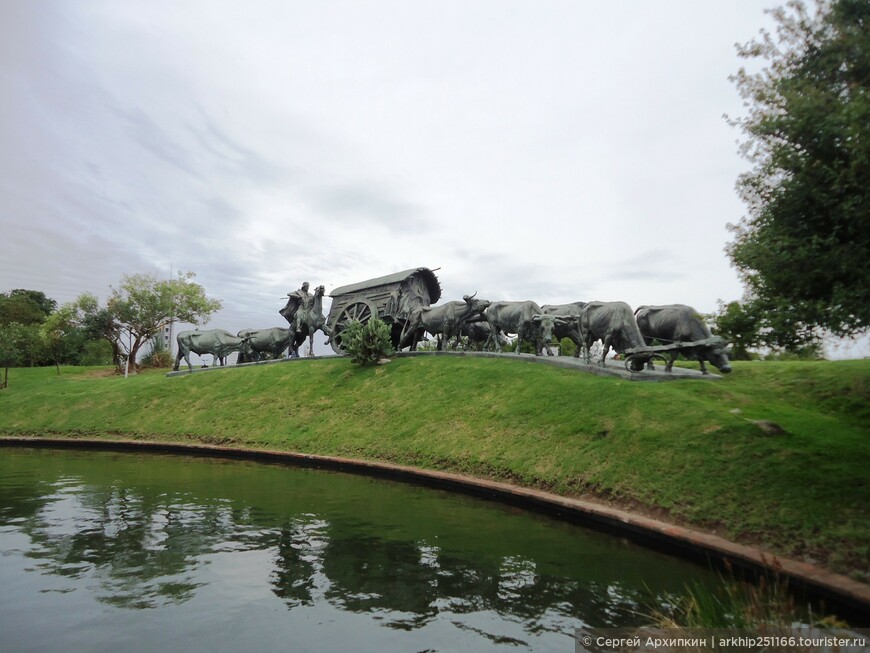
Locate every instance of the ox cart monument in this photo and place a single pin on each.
(391, 298)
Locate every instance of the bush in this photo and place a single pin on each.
(159, 356)
(96, 352)
(367, 343)
(810, 352)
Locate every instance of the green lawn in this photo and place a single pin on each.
(685, 450)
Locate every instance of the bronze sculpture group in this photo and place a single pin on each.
(404, 301)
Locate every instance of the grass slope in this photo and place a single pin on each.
(686, 450)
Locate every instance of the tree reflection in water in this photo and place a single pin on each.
(143, 542)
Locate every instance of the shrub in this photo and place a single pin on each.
(96, 352)
(810, 352)
(367, 343)
(159, 356)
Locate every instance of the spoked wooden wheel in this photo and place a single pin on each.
(359, 311)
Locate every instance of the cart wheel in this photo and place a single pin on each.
(650, 359)
(360, 311)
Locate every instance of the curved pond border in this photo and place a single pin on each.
(851, 598)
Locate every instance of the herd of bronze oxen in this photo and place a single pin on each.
(638, 335)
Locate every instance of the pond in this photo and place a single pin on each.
(128, 552)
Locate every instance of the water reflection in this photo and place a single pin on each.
(138, 532)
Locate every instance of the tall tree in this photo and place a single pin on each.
(25, 307)
(77, 330)
(98, 323)
(804, 248)
(10, 349)
(142, 305)
(62, 335)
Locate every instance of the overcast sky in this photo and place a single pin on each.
(555, 151)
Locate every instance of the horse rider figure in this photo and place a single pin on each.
(298, 307)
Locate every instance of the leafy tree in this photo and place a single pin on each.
(32, 345)
(98, 323)
(81, 333)
(369, 342)
(96, 352)
(25, 307)
(804, 248)
(740, 324)
(20, 345)
(62, 336)
(142, 305)
(10, 350)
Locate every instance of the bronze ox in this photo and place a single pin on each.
(269, 343)
(477, 334)
(566, 328)
(526, 319)
(612, 323)
(217, 342)
(680, 323)
(444, 321)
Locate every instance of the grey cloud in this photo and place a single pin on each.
(150, 136)
(68, 263)
(651, 265)
(237, 158)
(370, 203)
(501, 277)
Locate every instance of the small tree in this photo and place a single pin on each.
(369, 342)
(20, 344)
(142, 305)
(64, 336)
(740, 324)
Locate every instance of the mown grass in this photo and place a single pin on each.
(686, 450)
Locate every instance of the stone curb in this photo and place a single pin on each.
(611, 368)
(842, 591)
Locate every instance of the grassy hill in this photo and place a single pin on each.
(686, 451)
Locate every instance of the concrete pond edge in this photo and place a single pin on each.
(850, 598)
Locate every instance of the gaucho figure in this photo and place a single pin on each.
(298, 307)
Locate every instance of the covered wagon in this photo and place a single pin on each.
(390, 298)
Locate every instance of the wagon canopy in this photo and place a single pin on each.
(421, 281)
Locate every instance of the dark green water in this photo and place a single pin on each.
(138, 552)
